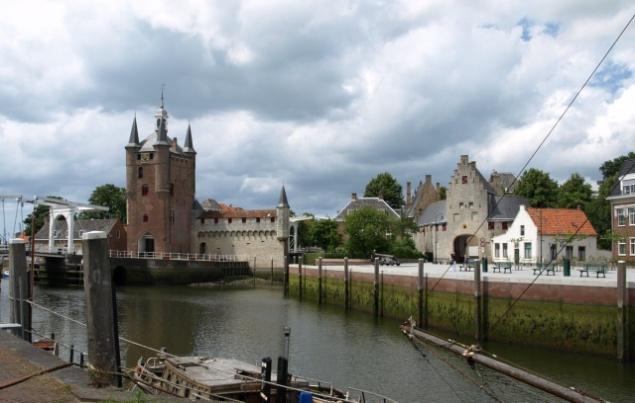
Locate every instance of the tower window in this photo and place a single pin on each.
(216, 220)
(140, 172)
(151, 156)
(144, 190)
(229, 220)
(257, 219)
(138, 156)
(145, 218)
(273, 219)
(244, 220)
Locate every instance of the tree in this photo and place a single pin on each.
(369, 230)
(574, 192)
(41, 212)
(324, 234)
(109, 196)
(385, 186)
(538, 187)
(443, 193)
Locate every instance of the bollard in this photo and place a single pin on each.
(347, 291)
(420, 294)
(622, 313)
(286, 275)
(320, 280)
(101, 332)
(254, 272)
(81, 360)
(18, 289)
(271, 271)
(484, 264)
(282, 379)
(478, 320)
(300, 279)
(376, 289)
(425, 301)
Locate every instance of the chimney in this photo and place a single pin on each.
(465, 159)
(354, 196)
(408, 193)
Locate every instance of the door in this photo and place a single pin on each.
(516, 255)
(149, 245)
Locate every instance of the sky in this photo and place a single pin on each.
(318, 96)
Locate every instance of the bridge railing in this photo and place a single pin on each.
(125, 254)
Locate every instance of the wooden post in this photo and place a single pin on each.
(19, 289)
(478, 319)
(320, 280)
(425, 301)
(420, 294)
(271, 271)
(254, 272)
(381, 300)
(347, 291)
(376, 289)
(622, 313)
(285, 278)
(300, 279)
(101, 332)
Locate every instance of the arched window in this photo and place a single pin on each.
(145, 218)
(144, 190)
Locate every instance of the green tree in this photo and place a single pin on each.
(443, 193)
(574, 192)
(385, 186)
(405, 248)
(110, 196)
(41, 212)
(324, 234)
(538, 187)
(369, 230)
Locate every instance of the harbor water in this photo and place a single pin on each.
(348, 349)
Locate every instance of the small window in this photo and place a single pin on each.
(203, 220)
(497, 250)
(145, 218)
(140, 172)
(229, 220)
(522, 230)
(464, 180)
(581, 253)
(144, 190)
(527, 250)
(215, 220)
(505, 225)
(258, 219)
(244, 220)
(138, 156)
(490, 225)
(151, 156)
(444, 227)
(631, 216)
(621, 248)
(569, 252)
(470, 204)
(621, 217)
(505, 250)
(554, 251)
(632, 246)
(273, 219)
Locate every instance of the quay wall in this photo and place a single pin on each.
(578, 318)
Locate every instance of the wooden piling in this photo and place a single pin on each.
(420, 294)
(376, 289)
(381, 298)
(622, 313)
(478, 319)
(101, 331)
(425, 301)
(300, 279)
(347, 291)
(320, 280)
(285, 279)
(271, 271)
(254, 272)
(19, 289)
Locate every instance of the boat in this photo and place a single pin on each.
(224, 379)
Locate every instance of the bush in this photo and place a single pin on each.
(405, 248)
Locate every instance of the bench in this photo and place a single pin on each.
(506, 266)
(595, 268)
(547, 268)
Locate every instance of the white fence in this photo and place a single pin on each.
(124, 254)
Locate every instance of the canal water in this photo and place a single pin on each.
(351, 350)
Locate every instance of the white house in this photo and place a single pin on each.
(546, 234)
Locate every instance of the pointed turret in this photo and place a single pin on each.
(188, 147)
(133, 142)
(282, 201)
(162, 135)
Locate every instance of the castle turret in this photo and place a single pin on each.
(132, 149)
(282, 216)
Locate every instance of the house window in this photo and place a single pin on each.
(632, 246)
(151, 156)
(145, 218)
(621, 217)
(569, 252)
(504, 225)
(554, 251)
(215, 220)
(490, 225)
(257, 219)
(464, 179)
(497, 250)
(621, 248)
(229, 220)
(628, 187)
(471, 204)
(527, 250)
(631, 216)
(522, 230)
(202, 220)
(273, 219)
(581, 253)
(504, 250)
(244, 220)
(444, 227)
(140, 172)
(144, 190)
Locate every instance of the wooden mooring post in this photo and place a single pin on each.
(623, 353)
(347, 290)
(254, 272)
(478, 311)
(271, 271)
(381, 298)
(285, 274)
(101, 318)
(300, 279)
(376, 289)
(320, 280)
(19, 289)
(420, 295)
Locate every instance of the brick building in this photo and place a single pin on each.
(622, 200)
(164, 216)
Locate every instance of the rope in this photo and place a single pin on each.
(16, 381)
(545, 138)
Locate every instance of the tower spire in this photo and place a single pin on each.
(162, 88)
(134, 134)
(283, 202)
(162, 137)
(188, 146)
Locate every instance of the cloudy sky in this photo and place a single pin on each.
(320, 96)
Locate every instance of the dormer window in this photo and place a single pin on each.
(628, 187)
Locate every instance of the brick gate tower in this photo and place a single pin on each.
(160, 186)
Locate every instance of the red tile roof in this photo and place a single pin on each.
(237, 212)
(559, 221)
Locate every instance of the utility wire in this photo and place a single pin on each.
(546, 137)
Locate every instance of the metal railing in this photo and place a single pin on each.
(125, 254)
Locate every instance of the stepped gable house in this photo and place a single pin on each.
(622, 200)
(164, 216)
(472, 206)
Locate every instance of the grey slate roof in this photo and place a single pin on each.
(628, 167)
(188, 147)
(373, 202)
(81, 226)
(282, 201)
(433, 214)
(507, 207)
(134, 134)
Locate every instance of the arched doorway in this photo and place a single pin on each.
(461, 247)
(146, 243)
